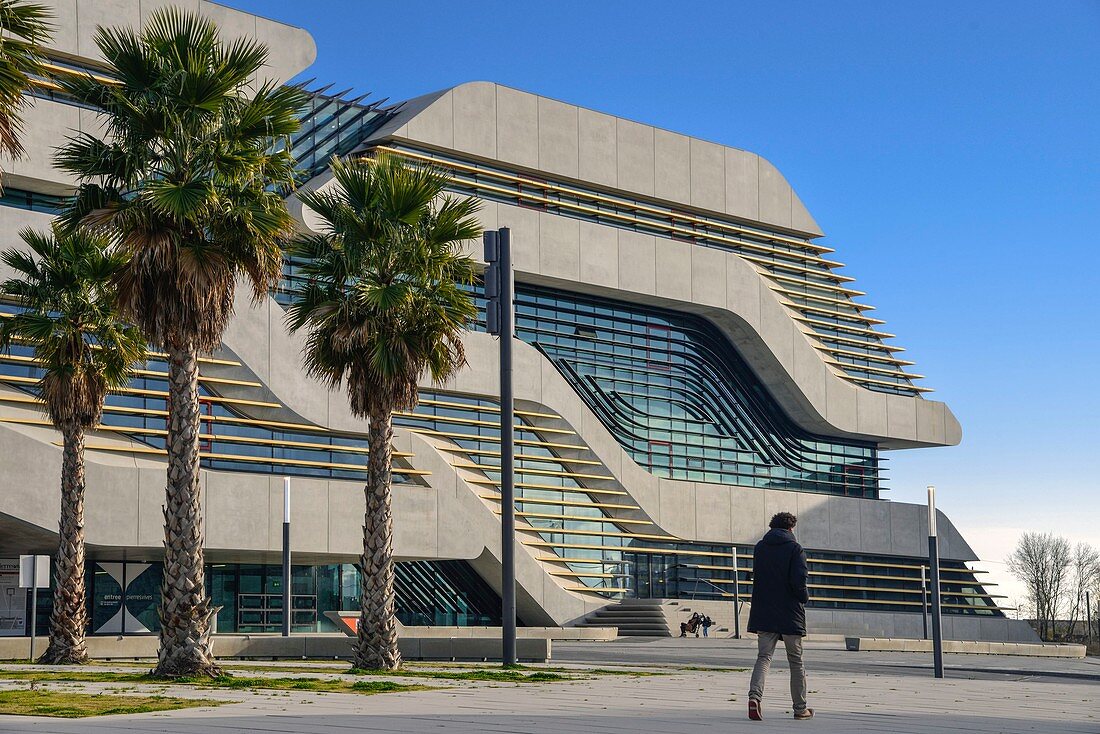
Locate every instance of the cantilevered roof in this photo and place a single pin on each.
(543, 135)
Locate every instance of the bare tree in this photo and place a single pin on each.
(1042, 562)
(1084, 576)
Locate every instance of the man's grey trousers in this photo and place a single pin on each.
(766, 642)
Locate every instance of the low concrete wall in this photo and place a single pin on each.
(1040, 650)
(334, 646)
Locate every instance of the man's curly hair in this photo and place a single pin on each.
(783, 521)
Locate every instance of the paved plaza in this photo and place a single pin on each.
(852, 692)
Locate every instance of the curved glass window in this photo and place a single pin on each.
(678, 397)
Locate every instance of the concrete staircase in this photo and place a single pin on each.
(662, 617)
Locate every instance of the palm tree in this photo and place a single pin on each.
(187, 179)
(24, 27)
(84, 349)
(383, 302)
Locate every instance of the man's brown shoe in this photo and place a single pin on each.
(807, 714)
(756, 711)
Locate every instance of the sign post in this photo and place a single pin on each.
(287, 597)
(934, 568)
(500, 321)
(34, 574)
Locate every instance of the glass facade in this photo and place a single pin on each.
(681, 401)
(32, 201)
(123, 596)
(836, 580)
(333, 125)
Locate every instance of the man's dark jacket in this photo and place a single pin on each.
(779, 592)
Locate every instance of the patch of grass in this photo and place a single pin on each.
(276, 668)
(62, 704)
(303, 683)
(382, 686)
(490, 675)
(637, 673)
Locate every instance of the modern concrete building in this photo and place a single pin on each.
(689, 361)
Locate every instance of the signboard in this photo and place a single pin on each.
(13, 600)
(34, 572)
(125, 597)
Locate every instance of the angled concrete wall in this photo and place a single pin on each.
(497, 123)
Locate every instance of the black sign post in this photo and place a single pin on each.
(500, 321)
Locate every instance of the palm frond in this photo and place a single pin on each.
(69, 315)
(381, 292)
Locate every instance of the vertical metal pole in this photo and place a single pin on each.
(287, 598)
(934, 564)
(736, 598)
(34, 602)
(507, 454)
(924, 600)
(1088, 617)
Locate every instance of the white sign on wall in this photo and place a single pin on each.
(13, 600)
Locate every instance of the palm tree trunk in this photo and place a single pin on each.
(69, 619)
(376, 647)
(185, 647)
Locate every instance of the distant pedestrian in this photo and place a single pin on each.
(778, 612)
(706, 624)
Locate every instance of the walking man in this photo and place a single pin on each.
(778, 612)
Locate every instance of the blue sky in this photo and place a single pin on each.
(950, 151)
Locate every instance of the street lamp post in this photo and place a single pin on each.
(736, 598)
(924, 599)
(934, 568)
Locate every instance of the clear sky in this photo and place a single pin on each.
(950, 151)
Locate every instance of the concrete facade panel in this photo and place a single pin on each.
(677, 509)
(637, 262)
(742, 184)
(597, 147)
(931, 421)
(871, 409)
(671, 166)
(634, 156)
(845, 530)
(708, 175)
(52, 123)
(713, 521)
(517, 116)
(743, 288)
(239, 513)
(476, 105)
(559, 247)
(708, 277)
(747, 515)
(813, 529)
(775, 196)
(674, 270)
(876, 528)
(93, 13)
(436, 126)
(901, 416)
(599, 255)
(559, 142)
